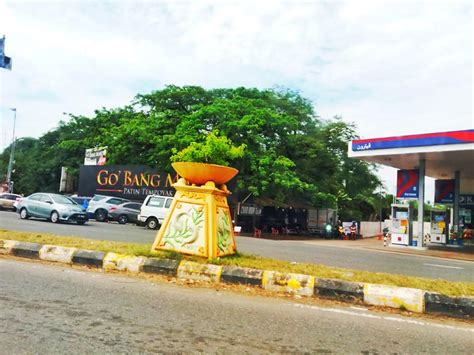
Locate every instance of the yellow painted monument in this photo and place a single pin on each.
(199, 220)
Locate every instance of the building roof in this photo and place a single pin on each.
(444, 153)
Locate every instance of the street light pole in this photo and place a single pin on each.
(12, 155)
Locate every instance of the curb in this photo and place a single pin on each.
(298, 284)
(411, 299)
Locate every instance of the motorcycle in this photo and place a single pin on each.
(328, 232)
(341, 233)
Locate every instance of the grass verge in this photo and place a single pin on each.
(251, 261)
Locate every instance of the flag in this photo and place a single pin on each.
(5, 62)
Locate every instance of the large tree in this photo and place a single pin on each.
(291, 154)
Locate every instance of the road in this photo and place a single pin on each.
(297, 251)
(48, 309)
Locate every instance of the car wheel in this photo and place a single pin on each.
(152, 223)
(81, 222)
(100, 215)
(122, 219)
(24, 213)
(54, 217)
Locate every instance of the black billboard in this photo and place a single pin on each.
(133, 182)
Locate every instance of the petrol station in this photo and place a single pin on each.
(448, 157)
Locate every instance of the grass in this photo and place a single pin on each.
(251, 261)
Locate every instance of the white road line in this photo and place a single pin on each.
(388, 318)
(359, 308)
(446, 266)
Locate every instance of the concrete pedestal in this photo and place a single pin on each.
(199, 222)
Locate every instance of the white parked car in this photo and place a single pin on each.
(99, 206)
(154, 210)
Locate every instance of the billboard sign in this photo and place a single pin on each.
(444, 191)
(249, 210)
(466, 200)
(95, 156)
(416, 140)
(133, 182)
(5, 62)
(407, 184)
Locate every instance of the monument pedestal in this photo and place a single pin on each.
(199, 222)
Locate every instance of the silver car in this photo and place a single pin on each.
(54, 207)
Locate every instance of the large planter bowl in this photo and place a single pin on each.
(200, 173)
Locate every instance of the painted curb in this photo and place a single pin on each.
(241, 275)
(113, 261)
(161, 266)
(298, 284)
(189, 270)
(415, 300)
(88, 257)
(411, 299)
(26, 250)
(461, 307)
(339, 289)
(56, 253)
(6, 246)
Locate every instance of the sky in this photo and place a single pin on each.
(391, 67)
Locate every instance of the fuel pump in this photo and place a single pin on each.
(401, 224)
(439, 223)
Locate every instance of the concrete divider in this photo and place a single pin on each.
(88, 257)
(462, 307)
(414, 300)
(411, 299)
(241, 275)
(297, 284)
(189, 270)
(6, 246)
(339, 289)
(26, 250)
(113, 261)
(161, 266)
(56, 253)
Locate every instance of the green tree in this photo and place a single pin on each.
(290, 155)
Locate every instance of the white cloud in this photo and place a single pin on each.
(393, 67)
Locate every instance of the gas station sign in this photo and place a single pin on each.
(407, 183)
(444, 191)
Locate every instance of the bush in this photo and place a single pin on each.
(214, 150)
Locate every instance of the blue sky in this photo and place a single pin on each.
(392, 67)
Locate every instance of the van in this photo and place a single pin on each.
(154, 210)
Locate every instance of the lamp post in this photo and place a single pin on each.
(12, 155)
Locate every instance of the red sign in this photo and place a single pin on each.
(444, 191)
(407, 183)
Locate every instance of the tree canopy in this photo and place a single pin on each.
(290, 156)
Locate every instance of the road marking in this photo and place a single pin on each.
(359, 308)
(388, 318)
(446, 266)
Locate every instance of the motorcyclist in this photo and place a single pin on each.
(353, 230)
(340, 230)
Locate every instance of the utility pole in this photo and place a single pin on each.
(12, 155)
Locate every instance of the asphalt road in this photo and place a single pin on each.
(297, 251)
(50, 309)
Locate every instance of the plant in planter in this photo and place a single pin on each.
(209, 160)
(199, 221)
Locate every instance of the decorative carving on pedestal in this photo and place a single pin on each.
(198, 221)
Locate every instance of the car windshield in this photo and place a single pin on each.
(63, 200)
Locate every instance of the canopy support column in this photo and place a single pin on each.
(457, 190)
(421, 203)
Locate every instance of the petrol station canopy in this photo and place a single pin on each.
(444, 153)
